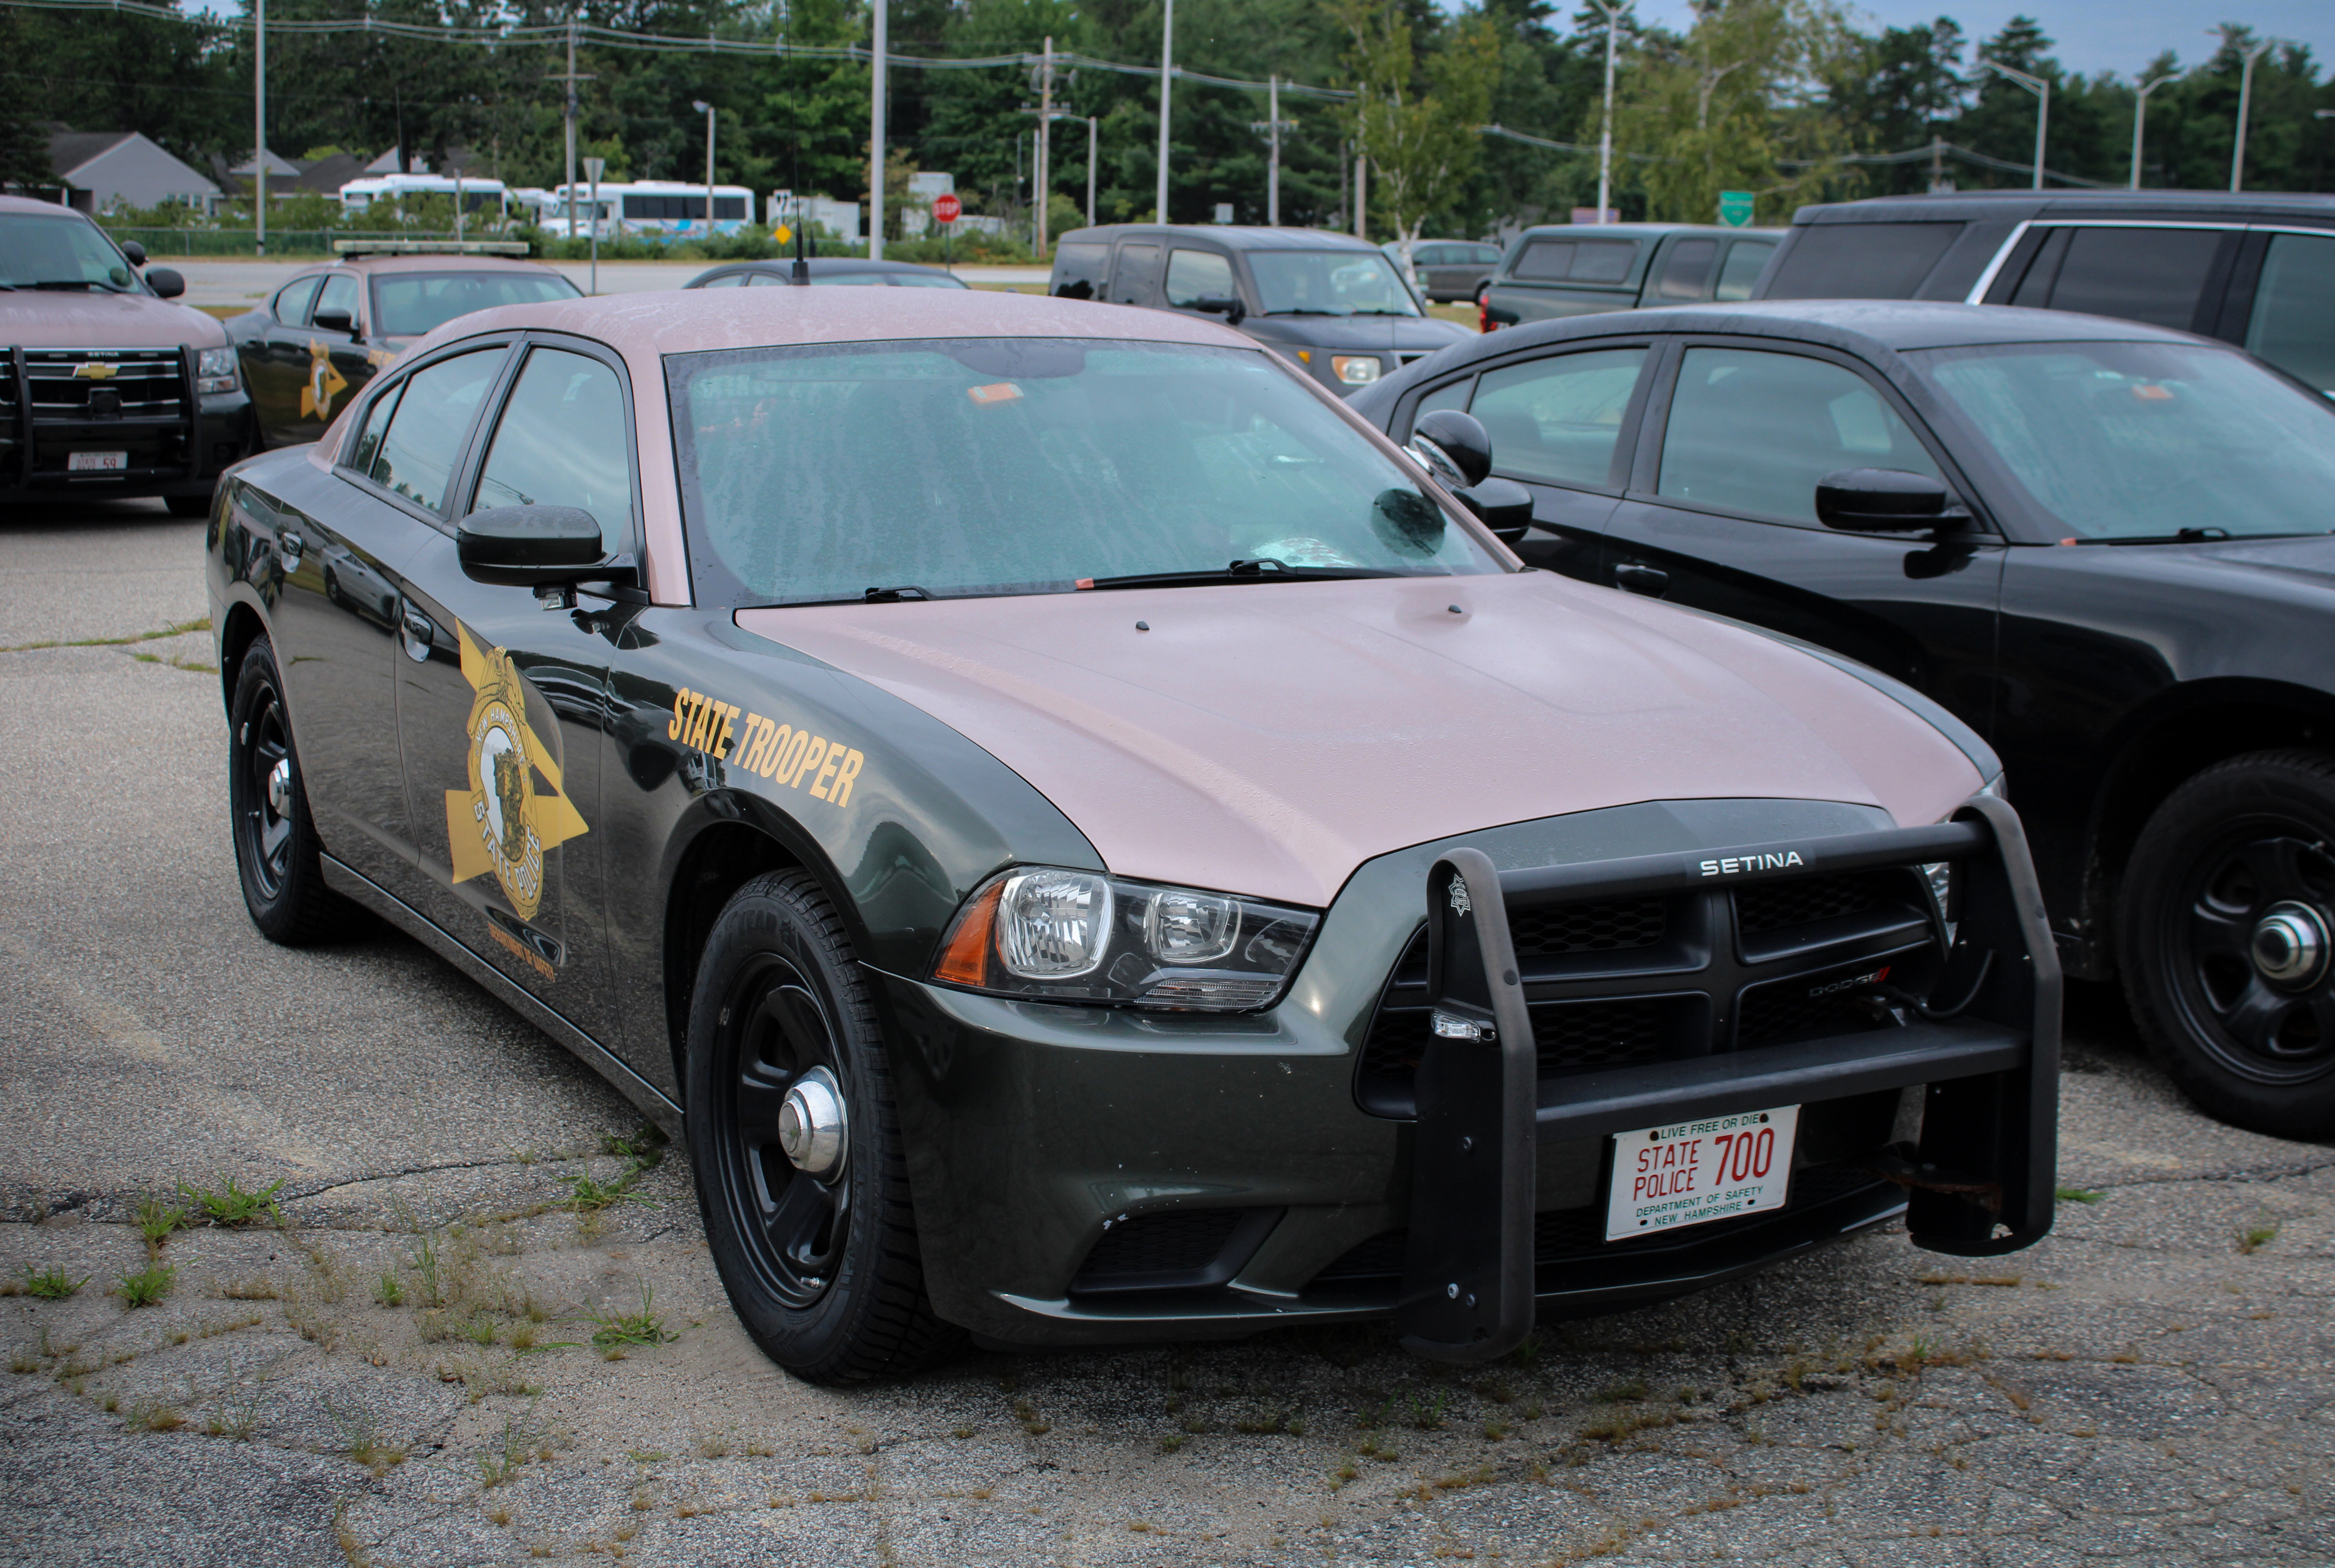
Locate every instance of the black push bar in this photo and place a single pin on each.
(1979, 1183)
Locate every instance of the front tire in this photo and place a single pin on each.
(820, 1258)
(2227, 938)
(277, 858)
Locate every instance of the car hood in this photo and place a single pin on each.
(1268, 739)
(39, 319)
(1382, 332)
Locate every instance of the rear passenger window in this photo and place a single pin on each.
(1556, 419)
(1861, 260)
(561, 442)
(1753, 431)
(1742, 268)
(2151, 275)
(1194, 276)
(1686, 269)
(433, 413)
(2293, 324)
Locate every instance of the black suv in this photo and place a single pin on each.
(2257, 270)
(1336, 305)
(1575, 269)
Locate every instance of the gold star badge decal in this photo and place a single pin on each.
(515, 807)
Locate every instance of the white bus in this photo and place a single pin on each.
(671, 208)
(383, 193)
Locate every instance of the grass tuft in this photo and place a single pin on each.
(147, 1286)
(52, 1283)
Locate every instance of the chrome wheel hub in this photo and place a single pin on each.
(812, 1126)
(279, 787)
(2289, 944)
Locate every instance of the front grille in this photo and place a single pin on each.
(1623, 982)
(1566, 1235)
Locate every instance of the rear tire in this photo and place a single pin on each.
(277, 858)
(824, 1271)
(2229, 895)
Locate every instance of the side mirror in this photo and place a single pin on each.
(134, 251)
(529, 546)
(335, 321)
(1506, 506)
(1453, 447)
(1232, 310)
(1881, 501)
(165, 282)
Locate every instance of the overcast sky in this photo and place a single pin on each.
(2095, 36)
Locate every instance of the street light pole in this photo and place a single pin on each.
(1166, 75)
(707, 109)
(876, 138)
(2039, 86)
(1605, 135)
(2246, 102)
(259, 124)
(2140, 118)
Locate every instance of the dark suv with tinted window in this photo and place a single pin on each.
(1577, 269)
(1334, 305)
(2257, 270)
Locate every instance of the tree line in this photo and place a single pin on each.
(1783, 97)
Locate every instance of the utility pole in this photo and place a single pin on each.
(1045, 160)
(1166, 73)
(1273, 125)
(707, 109)
(259, 125)
(875, 137)
(1090, 170)
(2246, 102)
(2041, 88)
(1605, 135)
(2140, 118)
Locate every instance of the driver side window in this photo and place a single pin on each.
(1753, 431)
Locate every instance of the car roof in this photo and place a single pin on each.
(645, 325)
(1965, 206)
(1852, 324)
(1232, 236)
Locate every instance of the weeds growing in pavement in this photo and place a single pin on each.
(646, 1327)
(147, 1286)
(231, 1206)
(52, 1283)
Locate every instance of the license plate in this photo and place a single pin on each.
(1693, 1172)
(96, 462)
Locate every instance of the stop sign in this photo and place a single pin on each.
(946, 207)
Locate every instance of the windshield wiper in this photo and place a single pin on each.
(2205, 535)
(1264, 569)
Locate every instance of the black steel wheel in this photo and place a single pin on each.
(277, 855)
(2227, 938)
(799, 1168)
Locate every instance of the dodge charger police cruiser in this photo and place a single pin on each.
(1092, 843)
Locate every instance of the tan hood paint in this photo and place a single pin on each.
(1268, 739)
(59, 319)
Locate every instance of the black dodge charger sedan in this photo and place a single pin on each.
(2103, 544)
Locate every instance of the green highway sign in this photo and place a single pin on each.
(1734, 208)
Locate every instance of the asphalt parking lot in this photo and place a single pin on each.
(478, 1323)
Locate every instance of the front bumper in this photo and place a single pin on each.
(176, 440)
(1096, 1175)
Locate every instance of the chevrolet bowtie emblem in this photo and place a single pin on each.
(94, 373)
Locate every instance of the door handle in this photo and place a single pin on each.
(1645, 581)
(419, 634)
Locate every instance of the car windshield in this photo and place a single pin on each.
(59, 253)
(963, 467)
(410, 303)
(1328, 283)
(2143, 441)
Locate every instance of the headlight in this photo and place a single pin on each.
(1059, 935)
(1355, 369)
(215, 370)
